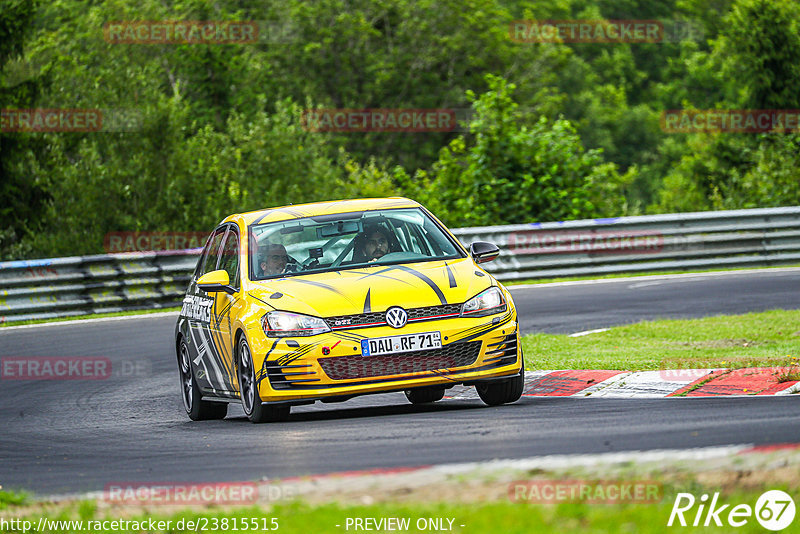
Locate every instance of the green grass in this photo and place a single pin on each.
(479, 518)
(636, 274)
(790, 376)
(756, 339)
(10, 498)
(91, 316)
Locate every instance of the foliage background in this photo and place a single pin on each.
(559, 131)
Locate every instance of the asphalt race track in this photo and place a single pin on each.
(69, 436)
(569, 307)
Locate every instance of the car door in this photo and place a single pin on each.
(198, 311)
(225, 308)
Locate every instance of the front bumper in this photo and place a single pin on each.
(330, 366)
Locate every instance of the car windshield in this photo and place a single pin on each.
(346, 240)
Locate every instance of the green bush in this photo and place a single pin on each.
(506, 172)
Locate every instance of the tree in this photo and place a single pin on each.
(758, 57)
(760, 47)
(161, 179)
(508, 172)
(21, 197)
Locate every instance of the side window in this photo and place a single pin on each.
(211, 253)
(419, 243)
(438, 242)
(198, 269)
(397, 244)
(410, 238)
(230, 257)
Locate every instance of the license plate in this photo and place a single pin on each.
(406, 343)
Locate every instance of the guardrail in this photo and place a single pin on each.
(673, 242)
(63, 287)
(82, 285)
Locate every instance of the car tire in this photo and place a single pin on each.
(502, 391)
(255, 411)
(196, 408)
(424, 395)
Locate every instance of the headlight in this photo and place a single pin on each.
(485, 303)
(287, 324)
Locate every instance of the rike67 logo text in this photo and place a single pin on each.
(774, 510)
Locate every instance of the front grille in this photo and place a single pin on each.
(448, 357)
(361, 320)
(431, 312)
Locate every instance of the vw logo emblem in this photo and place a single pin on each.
(396, 317)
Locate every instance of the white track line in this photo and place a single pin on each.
(91, 321)
(652, 277)
(587, 332)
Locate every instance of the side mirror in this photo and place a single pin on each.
(483, 252)
(215, 281)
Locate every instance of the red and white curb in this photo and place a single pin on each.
(748, 381)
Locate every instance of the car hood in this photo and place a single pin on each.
(361, 290)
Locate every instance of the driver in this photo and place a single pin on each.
(274, 261)
(373, 244)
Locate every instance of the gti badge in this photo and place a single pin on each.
(396, 317)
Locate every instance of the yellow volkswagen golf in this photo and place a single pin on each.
(327, 301)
